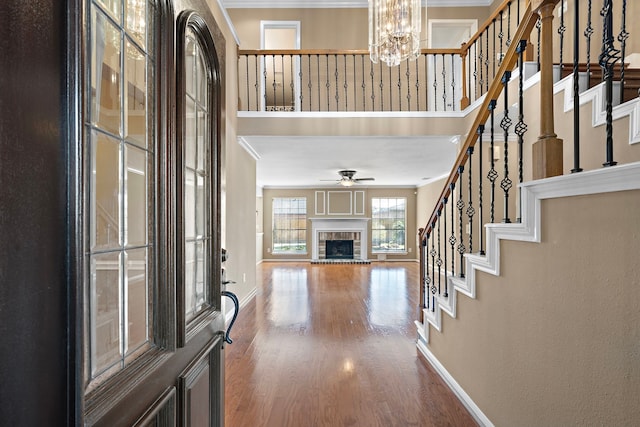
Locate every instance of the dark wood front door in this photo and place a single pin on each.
(110, 252)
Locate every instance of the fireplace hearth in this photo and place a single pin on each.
(339, 249)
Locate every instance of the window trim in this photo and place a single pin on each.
(373, 218)
(306, 229)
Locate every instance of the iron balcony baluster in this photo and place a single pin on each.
(480, 180)
(576, 89)
(521, 126)
(470, 210)
(505, 124)
(588, 32)
(493, 174)
(561, 30)
(460, 205)
(439, 260)
(433, 268)
(446, 282)
(622, 38)
(607, 60)
(444, 84)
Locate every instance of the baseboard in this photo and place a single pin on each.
(466, 400)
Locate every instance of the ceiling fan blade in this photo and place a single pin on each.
(364, 179)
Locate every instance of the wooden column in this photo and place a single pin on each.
(547, 151)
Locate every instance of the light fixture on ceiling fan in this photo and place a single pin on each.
(347, 178)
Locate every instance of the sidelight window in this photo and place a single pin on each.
(119, 182)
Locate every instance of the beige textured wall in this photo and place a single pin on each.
(342, 28)
(238, 178)
(309, 193)
(554, 340)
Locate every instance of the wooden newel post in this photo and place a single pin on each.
(547, 151)
(464, 101)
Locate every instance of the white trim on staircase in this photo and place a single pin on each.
(610, 179)
(466, 400)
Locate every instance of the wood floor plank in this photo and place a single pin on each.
(334, 345)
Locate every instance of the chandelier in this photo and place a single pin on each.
(394, 30)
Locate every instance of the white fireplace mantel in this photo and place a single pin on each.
(328, 225)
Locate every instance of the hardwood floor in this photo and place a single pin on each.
(334, 345)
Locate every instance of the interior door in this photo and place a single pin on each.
(152, 326)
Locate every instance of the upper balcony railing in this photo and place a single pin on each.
(347, 80)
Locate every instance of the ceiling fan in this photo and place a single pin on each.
(347, 179)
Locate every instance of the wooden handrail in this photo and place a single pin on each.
(487, 23)
(522, 33)
(263, 52)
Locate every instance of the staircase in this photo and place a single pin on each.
(548, 332)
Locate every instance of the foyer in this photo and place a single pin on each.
(334, 345)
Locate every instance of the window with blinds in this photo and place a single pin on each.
(289, 225)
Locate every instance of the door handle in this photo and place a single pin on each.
(236, 303)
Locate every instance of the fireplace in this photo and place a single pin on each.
(352, 229)
(339, 249)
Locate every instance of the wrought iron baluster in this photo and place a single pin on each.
(274, 84)
(607, 60)
(460, 206)
(453, 84)
(435, 83)
(539, 28)
(493, 174)
(282, 68)
(399, 84)
(588, 32)
(486, 64)
(452, 238)
(500, 36)
(470, 210)
(475, 70)
(426, 83)
(264, 74)
(292, 82)
(427, 279)
(328, 84)
(373, 87)
(519, 17)
(247, 68)
(257, 84)
(446, 276)
(346, 84)
(318, 64)
(505, 124)
(521, 126)
(381, 88)
(480, 179)
(433, 268)
(408, 75)
(481, 57)
(336, 75)
(561, 30)
(390, 90)
(444, 85)
(576, 89)
(364, 84)
(300, 75)
(309, 83)
(622, 38)
(417, 86)
(508, 42)
(439, 260)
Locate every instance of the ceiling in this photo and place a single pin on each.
(392, 161)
